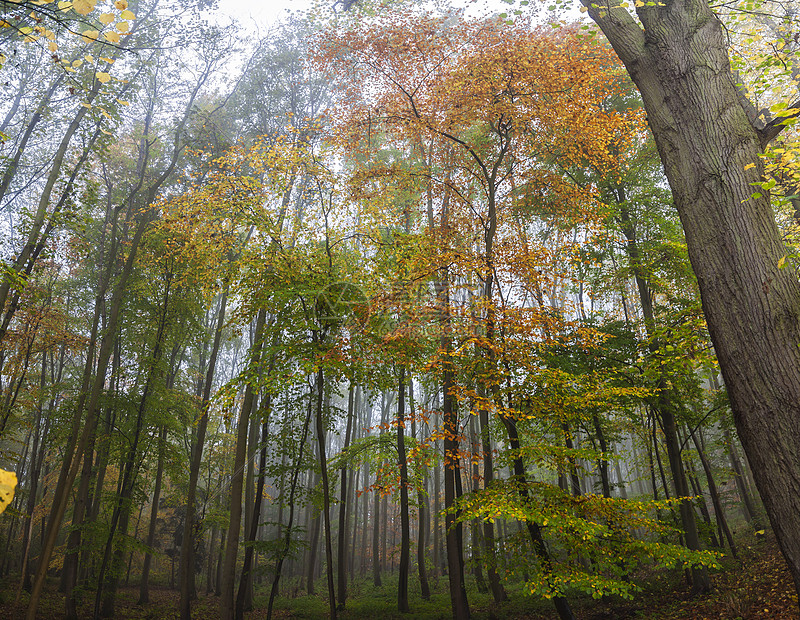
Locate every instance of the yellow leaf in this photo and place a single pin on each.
(77, 63)
(102, 77)
(121, 102)
(112, 36)
(123, 26)
(583, 9)
(108, 60)
(64, 5)
(127, 15)
(8, 482)
(90, 35)
(750, 165)
(782, 261)
(89, 58)
(106, 18)
(121, 4)
(83, 7)
(52, 45)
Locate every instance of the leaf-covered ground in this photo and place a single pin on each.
(756, 587)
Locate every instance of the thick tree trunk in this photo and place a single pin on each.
(710, 150)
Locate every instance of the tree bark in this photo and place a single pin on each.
(186, 571)
(710, 150)
(144, 584)
(405, 535)
(237, 478)
(422, 501)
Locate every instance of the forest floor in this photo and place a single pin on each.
(757, 587)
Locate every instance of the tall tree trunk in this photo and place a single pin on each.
(422, 502)
(665, 408)
(186, 572)
(76, 446)
(287, 538)
(405, 535)
(719, 512)
(677, 56)
(748, 508)
(144, 585)
(452, 474)
(237, 478)
(341, 570)
(534, 530)
(109, 577)
(249, 552)
(326, 496)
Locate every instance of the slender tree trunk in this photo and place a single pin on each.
(422, 502)
(326, 501)
(249, 552)
(405, 536)
(186, 571)
(144, 585)
(287, 539)
(748, 508)
(534, 531)
(75, 446)
(665, 407)
(341, 569)
(227, 605)
(719, 512)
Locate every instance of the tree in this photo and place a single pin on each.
(710, 142)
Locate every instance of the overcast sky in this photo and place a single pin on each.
(261, 14)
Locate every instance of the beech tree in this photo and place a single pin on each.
(710, 139)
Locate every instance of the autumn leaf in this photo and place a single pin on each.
(84, 7)
(112, 36)
(8, 482)
(106, 18)
(102, 77)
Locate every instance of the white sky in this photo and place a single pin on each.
(262, 13)
(259, 15)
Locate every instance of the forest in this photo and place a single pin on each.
(400, 309)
